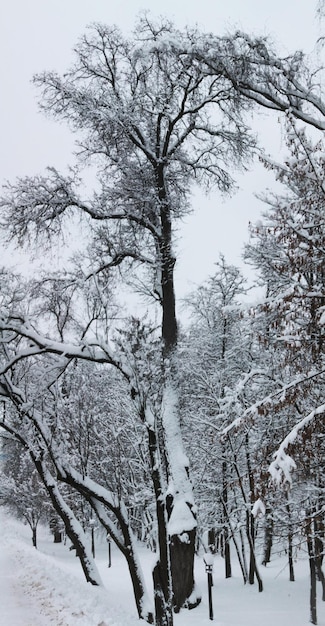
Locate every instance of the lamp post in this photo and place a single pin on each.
(92, 523)
(208, 561)
(108, 539)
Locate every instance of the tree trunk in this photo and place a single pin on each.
(212, 540)
(163, 606)
(182, 560)
(227, 554)
(250, 525)
(140, 592)
(268, 537)
(253, 569)
(290, 545)
(72, 526)
(290, 558)
(173, 574)
(313, 582)
(250, 535)
(225, 526)
(34, 538)
(243, 553)
(162, 581)
(312, 571)
(179, 502)
(319, 552)
(241, 560)
(138, 589)
(124, 539)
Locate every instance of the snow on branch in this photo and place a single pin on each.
(86, 351)
(258, 407)
(283, 465)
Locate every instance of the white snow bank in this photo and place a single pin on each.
(56, 597)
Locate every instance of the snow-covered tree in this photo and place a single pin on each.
(287, 248)
(21, 488)
(222, 373)
(155, 114)
(152, 123)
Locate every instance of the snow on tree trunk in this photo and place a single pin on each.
(180, 504)
(72, 526)
(142, 601)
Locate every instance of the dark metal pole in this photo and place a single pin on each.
(93, 541)
(210, 585)
(109, 554)
(208, 561)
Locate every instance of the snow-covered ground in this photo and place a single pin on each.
(45, 587)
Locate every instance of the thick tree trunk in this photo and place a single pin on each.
(182, 560)
(179, 503)
(173, 576)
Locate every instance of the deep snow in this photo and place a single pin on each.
(45, 587)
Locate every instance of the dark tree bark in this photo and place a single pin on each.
(250, 526)
(212, 540)
(290, 559)
(55, 528)
(162, 581)
(182, 559)
(34, 537)
(176, 567)
(319, 552)
(290, 543)
(225, 527)
(57, 536)
(313, 583)
(312, 570)
(268, 537)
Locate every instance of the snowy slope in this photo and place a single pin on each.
(45, 587)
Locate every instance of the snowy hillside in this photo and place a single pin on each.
(45, 587)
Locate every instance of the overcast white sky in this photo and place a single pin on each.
(39, 34)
